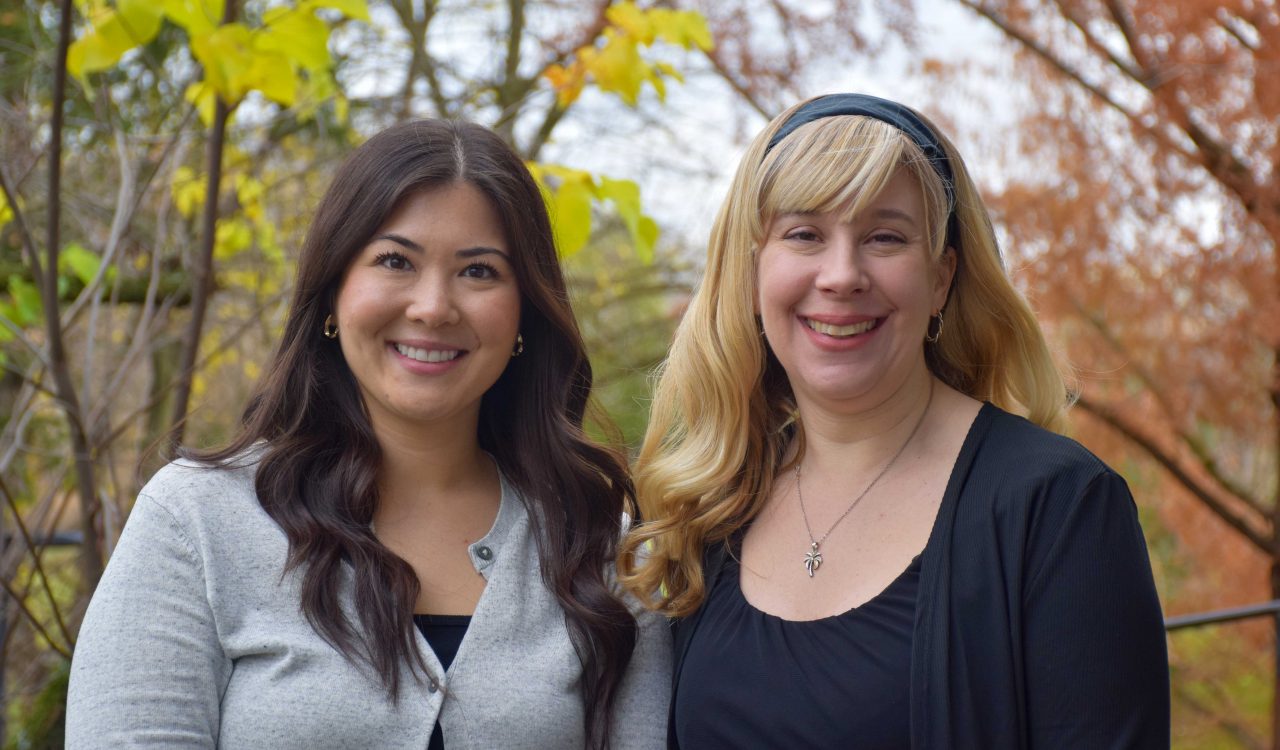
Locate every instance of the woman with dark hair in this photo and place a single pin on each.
(856, 501)
(411, 538)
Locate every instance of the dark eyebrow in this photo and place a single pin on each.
(475, 252)
(471, 252)
(400, 240)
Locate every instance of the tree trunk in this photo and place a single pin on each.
(202, 274)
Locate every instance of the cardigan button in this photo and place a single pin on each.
(432, 687)
(484, 553)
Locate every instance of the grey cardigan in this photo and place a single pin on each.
(194, 638)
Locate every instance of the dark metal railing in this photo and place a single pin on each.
(1223, 615)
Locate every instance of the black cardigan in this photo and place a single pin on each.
(1037, 624)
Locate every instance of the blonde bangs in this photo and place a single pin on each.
(840, 165)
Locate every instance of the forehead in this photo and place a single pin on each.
(445, 211)
(828, 164)
(900, 199)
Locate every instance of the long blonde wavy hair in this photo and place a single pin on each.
(721, 415)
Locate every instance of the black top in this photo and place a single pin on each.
(754, 680)
(444, 634)
(1037, 623)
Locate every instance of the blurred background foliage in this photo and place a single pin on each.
(1128, 148)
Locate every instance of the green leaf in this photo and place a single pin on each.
(26, 300)
(82, 263)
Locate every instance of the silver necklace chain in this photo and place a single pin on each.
(813, 558)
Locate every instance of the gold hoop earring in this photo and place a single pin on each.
(518, 349)
(933, 339)
(330, 329)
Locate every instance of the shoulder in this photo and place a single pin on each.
(202, 499)
(1009, 452)
(1032, 482)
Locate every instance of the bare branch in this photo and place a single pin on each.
(739, 87)
(1047, 56)
(1242, 525)
(28, 241)
(90, 556)
(38, 564)
(1153, 387)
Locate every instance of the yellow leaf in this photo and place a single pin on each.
(341, 107)
(113, 35)
(645, 238)
(355, 9)
(686, 28)
(618, 67)
(667, 69)
(571, 217)
(567, 82)
(203, 96)
(188, 191)
(632, 20)
(625, 196)
(227, 56)
(232, 237)
(141, 18)
(198, 17)
(6, 213)
(272, 74)
(297, 35)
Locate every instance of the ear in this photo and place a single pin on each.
(944, 274)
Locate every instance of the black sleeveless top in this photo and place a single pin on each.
(444, 633)
(754, 680)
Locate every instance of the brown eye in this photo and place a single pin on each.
(480, 271)
(393, 261)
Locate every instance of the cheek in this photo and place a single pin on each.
(777, 289)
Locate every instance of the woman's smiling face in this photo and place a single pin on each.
(429, 310)
(845, 304)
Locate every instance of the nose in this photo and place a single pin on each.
(431, 301)
(842, 270)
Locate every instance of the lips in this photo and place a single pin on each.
(841, 331)
(428, 355)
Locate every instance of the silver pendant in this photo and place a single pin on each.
(812, 559)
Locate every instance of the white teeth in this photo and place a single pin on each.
(427, 355)
(849, 330)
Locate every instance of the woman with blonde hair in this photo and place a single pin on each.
(856, 504)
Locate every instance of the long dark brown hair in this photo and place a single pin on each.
(317, 471)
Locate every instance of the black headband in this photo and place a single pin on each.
(902, 118)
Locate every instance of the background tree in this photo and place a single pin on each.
(1143, 203)
(197, 135)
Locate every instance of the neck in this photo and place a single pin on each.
(437, 463)
(853, 443)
